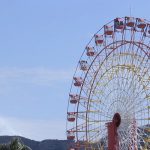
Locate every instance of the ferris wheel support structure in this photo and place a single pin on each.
(109, 99)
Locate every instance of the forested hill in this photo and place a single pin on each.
(36, 145)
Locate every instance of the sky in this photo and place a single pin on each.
(40, 44)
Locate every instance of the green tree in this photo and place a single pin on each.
(15, 144)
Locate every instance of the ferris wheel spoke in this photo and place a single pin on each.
(141, 91)
(97, 134)
(133, 76)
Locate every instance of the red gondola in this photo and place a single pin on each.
(83, 65)
(108, 30)
(141, 23)
(98, 39)
(71, 116)
(118, 23)
(78, 81)
(130, 21)
(74, 98)
(70, 135)
(90, 51)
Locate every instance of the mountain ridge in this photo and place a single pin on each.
(48, 144)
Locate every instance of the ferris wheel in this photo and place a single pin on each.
(109, 99)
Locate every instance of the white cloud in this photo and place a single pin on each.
(5, 128)
(33, 129)
(40, 76)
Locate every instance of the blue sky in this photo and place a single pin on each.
(40, 44)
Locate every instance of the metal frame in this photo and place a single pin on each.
(123, 60)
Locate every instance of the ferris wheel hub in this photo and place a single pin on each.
(117, 119)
